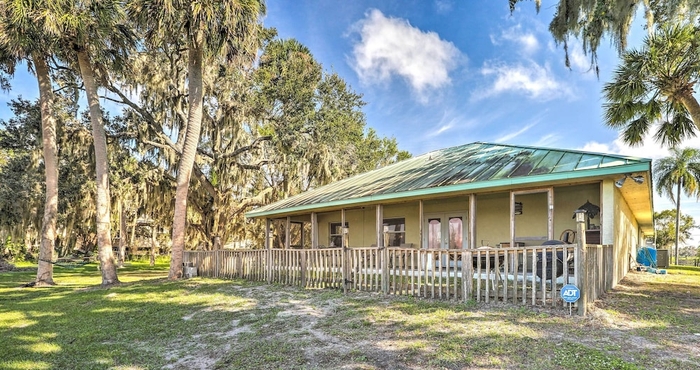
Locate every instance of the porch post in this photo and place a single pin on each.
(287, 233)
(382, 249)
(380, 226)
(512, 218)
(580, 261)
(302, 258)
(344, 247)
(472, 220)
(420, 224)
(314, 230)
(467, 267)
(268, 250)
(550, 213)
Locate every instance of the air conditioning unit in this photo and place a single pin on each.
(189, 270)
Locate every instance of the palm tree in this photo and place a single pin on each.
(23, 38)
(654, 86)
(680, 171)
(94, 29)
(211, 29)
(591, 21)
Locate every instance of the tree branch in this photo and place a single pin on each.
(206, 184)
(145, 114)
(246, 148)
(252, 166)
(257, 200)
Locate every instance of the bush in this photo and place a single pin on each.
(13, 251)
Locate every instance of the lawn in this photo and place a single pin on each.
(649, 321)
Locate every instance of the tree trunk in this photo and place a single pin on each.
(132, 237)
(102, 205)
(153, 245)
(44, 273)
(122, 234)
(189, 151)
(678, 217)
(691, 104)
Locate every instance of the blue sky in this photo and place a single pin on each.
(441, 73)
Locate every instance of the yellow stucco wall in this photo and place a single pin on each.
(361, 222)
(567, 200)
(625, 234)
(493, 220)
(493, 214)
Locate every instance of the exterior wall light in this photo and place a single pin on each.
(636, 178)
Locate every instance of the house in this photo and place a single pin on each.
(493, 203)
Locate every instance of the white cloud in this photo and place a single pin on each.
(443, 6)
(452, 119)
(443, 128)
(547, 140)
(512, 135)
(392, 47)
(526, 40)
(579, 60)
(533, 80)
(649, 148)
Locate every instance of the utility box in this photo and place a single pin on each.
(662, 258)
(190, 272)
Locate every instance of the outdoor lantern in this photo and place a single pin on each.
(580, 215)
(589, 209)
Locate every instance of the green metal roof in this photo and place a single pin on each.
(467, 167)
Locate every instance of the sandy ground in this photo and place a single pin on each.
(643, 321)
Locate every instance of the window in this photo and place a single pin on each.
(336, 234)
(394, 232)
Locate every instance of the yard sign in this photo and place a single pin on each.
(570, 293)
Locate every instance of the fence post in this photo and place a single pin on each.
(466, 280)
(303, 268)
(343, 251)
(385, 269)
(382, 252)
(216, 263)
(580, 261)
(268, 270)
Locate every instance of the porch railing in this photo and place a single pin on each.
(522, 275)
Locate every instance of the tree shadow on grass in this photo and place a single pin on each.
(136, 323)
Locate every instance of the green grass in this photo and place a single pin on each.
(648, 321)
(689, 270)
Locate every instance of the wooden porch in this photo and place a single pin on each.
(532, 275)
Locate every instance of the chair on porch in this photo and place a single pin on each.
(568, 236)
(400, 256)
(550, 258)
(495, 264)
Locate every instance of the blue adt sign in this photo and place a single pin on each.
(570, 293)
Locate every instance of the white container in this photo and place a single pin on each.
(190, 272)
